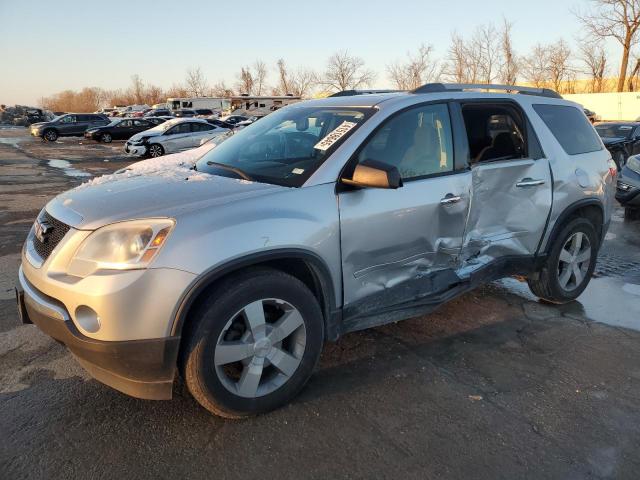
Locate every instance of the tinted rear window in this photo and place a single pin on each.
(571, 128)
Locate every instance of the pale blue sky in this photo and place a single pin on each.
(48, 46)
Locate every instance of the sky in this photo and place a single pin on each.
(47, 47)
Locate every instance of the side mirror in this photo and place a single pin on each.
(372, 173)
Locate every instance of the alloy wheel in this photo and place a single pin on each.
(574, 261)
(51, 136)
(106, 138)
(155, 151)
(260, 348)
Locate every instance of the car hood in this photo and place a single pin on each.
(40, 124)
(613, 140)
(146, 133)
(163, 187)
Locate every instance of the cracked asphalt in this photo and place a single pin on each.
(492, 385)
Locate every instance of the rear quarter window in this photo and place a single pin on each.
(571, 128)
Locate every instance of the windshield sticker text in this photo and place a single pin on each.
(334, 136)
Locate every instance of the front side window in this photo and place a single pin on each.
(417, 142)
(570, 127)
(614, 130)
(286, 147)
(68, 119)
(180, 128)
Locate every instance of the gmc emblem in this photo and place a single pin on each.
(42, 230)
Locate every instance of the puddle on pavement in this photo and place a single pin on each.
(610, 300)
(13, 141)
(67, 169)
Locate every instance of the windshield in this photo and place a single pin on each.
(286, 147)
(614, 130)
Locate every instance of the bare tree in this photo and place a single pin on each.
(617, 19)
(345, 72)
(177, 91)
(417, 70)
(283, 78)
(456, 67)
(536, 66)
(220, 89)
(560, 68)
(509, 65)
(473, 60)
(137, 89)
(260, 76)
(196, 84)
(246, 82)
(594, 58)
(484, 49)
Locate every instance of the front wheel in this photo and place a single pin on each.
(570, 264)
(252, 346)
(50, 135)
(155, 150)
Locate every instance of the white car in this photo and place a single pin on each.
(172, 136)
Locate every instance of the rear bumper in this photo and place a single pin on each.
(140, 368)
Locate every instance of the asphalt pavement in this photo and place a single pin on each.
(492, 385)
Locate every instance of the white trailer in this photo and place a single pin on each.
(615, 106)
(213, 103)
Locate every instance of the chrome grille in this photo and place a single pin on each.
(57, 230)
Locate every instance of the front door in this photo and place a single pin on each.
(399, 246)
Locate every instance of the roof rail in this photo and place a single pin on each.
(459, 87)
(349, 93)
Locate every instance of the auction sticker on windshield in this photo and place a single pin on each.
(339, 132)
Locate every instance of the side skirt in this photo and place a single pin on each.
(437, 288)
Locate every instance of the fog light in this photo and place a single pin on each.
(88, 319)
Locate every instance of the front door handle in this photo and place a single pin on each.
(450, 198)
(529, 182)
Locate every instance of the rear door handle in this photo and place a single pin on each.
(450, 198)
(529, 182)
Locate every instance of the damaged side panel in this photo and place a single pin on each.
(509, 207)
(400, 245)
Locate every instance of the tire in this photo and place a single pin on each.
(155, 150)
(50, 135)
(620, 159)
(549, 283)
(631, 213)
(264, 378)
(106, 138)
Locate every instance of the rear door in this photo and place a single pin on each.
(511, 184)
(400, 246)
(81, 124)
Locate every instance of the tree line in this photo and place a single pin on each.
(486, 55)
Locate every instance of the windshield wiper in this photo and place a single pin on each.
(235, 170)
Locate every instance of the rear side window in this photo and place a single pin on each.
(570, 127)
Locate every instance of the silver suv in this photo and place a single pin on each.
(323, 218)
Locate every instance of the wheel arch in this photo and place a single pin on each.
(307, 266)
(589, 208)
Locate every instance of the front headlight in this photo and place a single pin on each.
(633, 163)
(121, 246)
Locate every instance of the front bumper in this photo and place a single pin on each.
(135, 150)
(628, 188)
(91, 135)
(35, 132)
(140, 368)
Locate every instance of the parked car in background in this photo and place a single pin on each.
(622, 139)
(172, 136)
(68, 125)
(184, 113)
(158, 120)
(203, 112)
(219, 123)
(233, 119)
(628, 188)
(158, 112)
(591, 115)
(119, 129)
(327, 217)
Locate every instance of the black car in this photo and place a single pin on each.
(185, 113)
(68, 125)
(120, 129)
(622, 139)
(204, 111)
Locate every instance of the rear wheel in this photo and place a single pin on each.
(50, 135)
(155, 150)
(106, 138)
(254, 343)
(570, 263)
